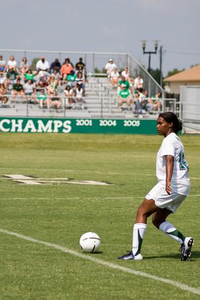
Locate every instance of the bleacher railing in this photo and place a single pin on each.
(93, 60)
(29, 106)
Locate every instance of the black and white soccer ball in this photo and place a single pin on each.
(90, 242)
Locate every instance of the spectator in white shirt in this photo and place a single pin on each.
(114, 77)
(138, 83)
(126, 74)
(42, 65)
(12, 64)
(110, 66)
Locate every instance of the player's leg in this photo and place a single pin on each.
(159, 221)
(146, 208)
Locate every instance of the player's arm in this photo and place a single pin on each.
(169, 171)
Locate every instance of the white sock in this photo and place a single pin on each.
(172, 231)
(139, 230)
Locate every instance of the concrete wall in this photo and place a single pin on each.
(190, 106)
(174, 87)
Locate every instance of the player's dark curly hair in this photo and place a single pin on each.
(170, 117)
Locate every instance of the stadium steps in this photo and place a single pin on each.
(101, 102)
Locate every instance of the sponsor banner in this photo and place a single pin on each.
(44, 125)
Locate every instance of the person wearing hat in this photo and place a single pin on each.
(110, 66)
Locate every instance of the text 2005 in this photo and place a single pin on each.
(131, 123)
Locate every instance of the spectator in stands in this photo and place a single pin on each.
(56, 75)
(43, 80)
(42, 65)
(126, 74)
(29, 89)
(11, 77)
(12, 64)
(123, 82)
(55, 100)
(124, 96)
(144, 102)
(80, 66)
(69, 61)
(2, 64)
(156, 101)
(29, 75)
(42, 99)
(17, 89)
(24, 66)
(80, 80)
(69, 93)
(53, 85)
(66, 69)
(110, 66)
(55, 65)
(3, 92)
(79, 97)
(114, 77)
(138, 83)
(2, 78)
(71, 78)
(131, 82)
(136, 101)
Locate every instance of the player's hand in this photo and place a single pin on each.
(168, 188)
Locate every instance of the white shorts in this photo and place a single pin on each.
(164, 200)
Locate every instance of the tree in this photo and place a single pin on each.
(97, 71)
(173, 72)
(155, 74)
(34, 62)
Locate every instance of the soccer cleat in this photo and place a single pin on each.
(186, 248)
(131, 256)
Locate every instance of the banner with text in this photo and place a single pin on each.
(33, 125)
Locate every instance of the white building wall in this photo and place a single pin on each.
(190, 106)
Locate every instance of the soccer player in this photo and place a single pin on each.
(172, 188)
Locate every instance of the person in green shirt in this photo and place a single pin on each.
(124, 96)
(17, 89)
(123, 82)
(29, 75)
(11, 77)
(42, 99)
(71, 78)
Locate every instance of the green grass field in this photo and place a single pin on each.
(60, 213)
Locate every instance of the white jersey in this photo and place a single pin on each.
(110, 67)
(180, 182)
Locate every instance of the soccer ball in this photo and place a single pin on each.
(90, 242)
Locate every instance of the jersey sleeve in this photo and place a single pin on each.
(167, 148)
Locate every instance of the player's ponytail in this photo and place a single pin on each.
(170, 117)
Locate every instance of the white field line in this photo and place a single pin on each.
(104, 263)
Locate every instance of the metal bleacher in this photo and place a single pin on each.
(101, 100)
